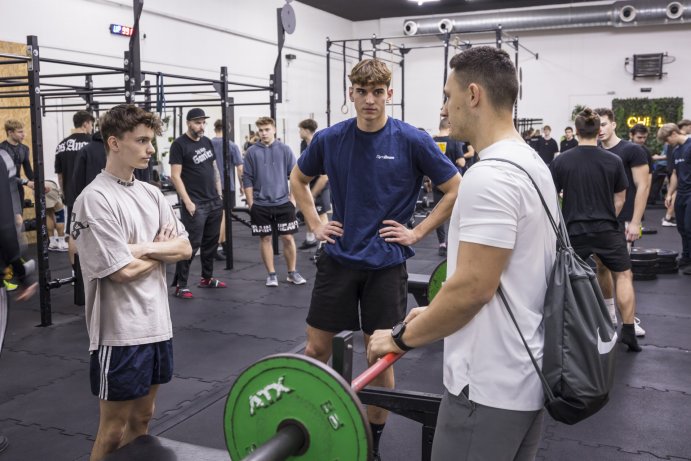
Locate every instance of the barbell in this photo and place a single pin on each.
(289, 406)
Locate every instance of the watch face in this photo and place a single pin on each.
(397, 329)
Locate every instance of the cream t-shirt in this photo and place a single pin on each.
(108, 215)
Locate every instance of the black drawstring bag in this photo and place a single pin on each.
(578, 360)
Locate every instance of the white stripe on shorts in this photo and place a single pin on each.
(104, 353)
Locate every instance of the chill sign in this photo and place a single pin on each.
(646, 120)
(117, 29)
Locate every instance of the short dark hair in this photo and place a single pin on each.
(261, 121)
(568, 128)
(546, 127)
(605, 112)
(588, 123)
(81, 117)
(490, 68)
(218, 125)
(124, 118)
(684, 122)
(638, 128)
(309, 125)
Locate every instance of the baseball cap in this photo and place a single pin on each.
(196, 113)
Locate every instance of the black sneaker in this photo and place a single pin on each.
(306, 245)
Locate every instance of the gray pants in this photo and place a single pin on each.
(468, 431)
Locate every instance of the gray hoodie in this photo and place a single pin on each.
(266, 170)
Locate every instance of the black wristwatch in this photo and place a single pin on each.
(397, 335)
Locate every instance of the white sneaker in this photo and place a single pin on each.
(272, 280)
(296, 279)
(54, 246)
(668, 222)
(637, 327)
(62, 245)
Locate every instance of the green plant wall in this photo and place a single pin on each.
(651, 112)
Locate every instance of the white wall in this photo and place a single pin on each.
(574, 67)
(193, 39)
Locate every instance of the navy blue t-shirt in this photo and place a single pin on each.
(373, 177)
(682, 165)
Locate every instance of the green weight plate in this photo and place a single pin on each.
(296, 388)
(436, 280)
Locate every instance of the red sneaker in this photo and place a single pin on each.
(183, 293)
(211, 283)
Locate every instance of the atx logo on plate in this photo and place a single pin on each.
(264, 398)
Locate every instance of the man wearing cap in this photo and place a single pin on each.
(197, 180)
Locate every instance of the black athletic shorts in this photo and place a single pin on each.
(282, 216)
(609, 246)
(352, 299)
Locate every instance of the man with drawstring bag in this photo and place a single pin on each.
(499, 234)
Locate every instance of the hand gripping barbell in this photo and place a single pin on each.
(290, 406)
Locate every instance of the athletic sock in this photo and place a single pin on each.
(377, 430)
(628, 337)
(609, 302)
(309, 237)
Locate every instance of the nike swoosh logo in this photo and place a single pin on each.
(605, 347)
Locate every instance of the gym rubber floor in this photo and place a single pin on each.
(48, 412)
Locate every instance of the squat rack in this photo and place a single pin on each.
(396, 54)
(41, 89)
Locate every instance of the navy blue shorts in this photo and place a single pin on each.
(128, 372)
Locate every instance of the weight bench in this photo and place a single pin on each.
(423, 287)
(417, 286)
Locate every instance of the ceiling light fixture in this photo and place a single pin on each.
(422, 2)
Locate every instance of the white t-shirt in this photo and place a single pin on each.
(498, 206)
(108, 215)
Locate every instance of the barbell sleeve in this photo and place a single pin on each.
(284, 444)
